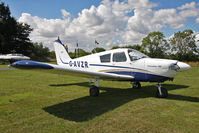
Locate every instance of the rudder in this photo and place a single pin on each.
(62, 56)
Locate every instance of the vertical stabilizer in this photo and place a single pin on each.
(62, 56)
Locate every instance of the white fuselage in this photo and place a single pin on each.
(142, 69)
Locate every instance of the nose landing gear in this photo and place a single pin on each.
(161, 92)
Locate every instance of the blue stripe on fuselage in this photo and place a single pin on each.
(139, 76)
(115, 66)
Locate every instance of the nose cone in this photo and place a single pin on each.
(183, 66)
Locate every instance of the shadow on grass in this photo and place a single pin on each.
(174, 86)
(86, 108)
(86, 84)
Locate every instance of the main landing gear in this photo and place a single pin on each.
(136, 85)
(161, 92)
(94, 90)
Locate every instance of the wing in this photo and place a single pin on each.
(69, 71)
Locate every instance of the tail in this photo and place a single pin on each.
(62, 56)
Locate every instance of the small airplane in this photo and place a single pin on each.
(119, 64)
(13, 57)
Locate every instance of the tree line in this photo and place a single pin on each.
(182, 46)
(14, 38)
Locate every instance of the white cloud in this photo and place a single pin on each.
(187, 6)
(109, 23)
(66, 15)
(43, 27)
(168, 16)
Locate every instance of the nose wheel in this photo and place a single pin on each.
(94, 90)
(161, 92)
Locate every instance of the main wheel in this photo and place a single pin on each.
(94, 91)
(136, 85)
(164, 93)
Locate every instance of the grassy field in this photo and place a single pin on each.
(3, 66)
(32, 101)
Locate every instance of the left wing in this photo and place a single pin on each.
(68, 71)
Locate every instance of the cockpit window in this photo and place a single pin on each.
(135, 55)
(119, 57)
(105, 58)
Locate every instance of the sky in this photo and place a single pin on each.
(110, 22)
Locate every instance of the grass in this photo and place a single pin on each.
(33, 101)
(3, 66)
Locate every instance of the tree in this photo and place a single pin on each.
(40, 52)
(52, 55)
(155, 45)
(97, 50)
(136, 47)
(80, 52)
(183, 46)
(72, 55)
(115, 47)
(13, 35)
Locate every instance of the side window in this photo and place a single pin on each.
(105, 58)
(119, 57)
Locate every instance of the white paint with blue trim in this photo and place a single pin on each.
(118, 64)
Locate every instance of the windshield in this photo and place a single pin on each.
(135, 55)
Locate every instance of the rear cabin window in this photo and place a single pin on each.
(119, 57)
(105, 58)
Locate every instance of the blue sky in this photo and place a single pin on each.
(51, 9)
(79, 16)
(48, 8)
(165, 4)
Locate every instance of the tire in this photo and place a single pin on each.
(94, 91)
(164, 93)
(136, 85)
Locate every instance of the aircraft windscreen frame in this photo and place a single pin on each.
(136, 55)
